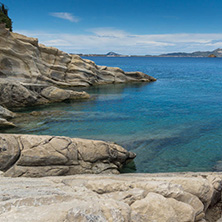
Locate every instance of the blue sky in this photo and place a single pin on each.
(123, 26)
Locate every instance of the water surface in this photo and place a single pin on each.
(173, 124)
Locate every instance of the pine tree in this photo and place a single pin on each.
(4, 17)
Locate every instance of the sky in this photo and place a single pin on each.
(135, 27)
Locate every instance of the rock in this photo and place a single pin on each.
(6, 114)
(212, 56)
(25, 60)
(220, 220)
(9, 151)
(6, 124)
(79, 198)
(15, 94)
(37, 156)
(55, 94)
(197, 186)
(154, 207)
(31, 73)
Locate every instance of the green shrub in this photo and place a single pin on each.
(4, 17)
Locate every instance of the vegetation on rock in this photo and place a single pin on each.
(4, 17)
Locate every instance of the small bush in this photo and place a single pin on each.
(4, 17)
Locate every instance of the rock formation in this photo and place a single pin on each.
(16, 94)
(186, 197)
(38, 156)
(32, 74)
(178, 197)
(27, 61)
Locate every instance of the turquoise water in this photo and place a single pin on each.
(173, 124)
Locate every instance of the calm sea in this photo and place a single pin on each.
(173, 124)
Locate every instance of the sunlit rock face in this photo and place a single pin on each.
(38, 156)
(24, 59)
(186, 197)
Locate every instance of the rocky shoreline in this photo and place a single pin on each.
(40, 175)
(32, 74)
(178, 197)
(39, 156)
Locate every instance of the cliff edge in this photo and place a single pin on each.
(25, 60)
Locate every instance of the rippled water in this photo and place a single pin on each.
(173, 124)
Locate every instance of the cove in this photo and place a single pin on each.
(173, 124)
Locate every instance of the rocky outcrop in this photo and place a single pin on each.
(38, 156)
(182, 197)
(54, 94)
(16, 94)
(27, 61)
(33, 74)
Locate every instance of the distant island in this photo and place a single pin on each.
(211, 54)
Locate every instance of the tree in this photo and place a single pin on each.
(4, 16)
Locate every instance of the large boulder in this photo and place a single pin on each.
(54, 94)
(14, 94)
(38, 156)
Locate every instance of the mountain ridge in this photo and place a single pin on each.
(215, 53)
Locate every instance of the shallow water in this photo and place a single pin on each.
(173, 124)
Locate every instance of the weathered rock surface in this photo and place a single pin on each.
(5, 123)
(27, 61)
(5, 115)
(15, 94)
(113, 198)
(31, 73)
(38, 156)
(54, 94)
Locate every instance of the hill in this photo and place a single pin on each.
(216, 53)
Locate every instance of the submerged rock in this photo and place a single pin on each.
(38, 156)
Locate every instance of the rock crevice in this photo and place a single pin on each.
(24, 59)
(114, 198)
(38, 156)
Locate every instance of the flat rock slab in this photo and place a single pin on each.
(38, 156)
(113, 198)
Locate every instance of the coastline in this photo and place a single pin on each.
(127, 197)
(175, 197)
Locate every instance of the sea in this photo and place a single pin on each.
(173, 124)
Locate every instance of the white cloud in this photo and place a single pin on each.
(108, 32)
(103, 40)
(66, 16)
